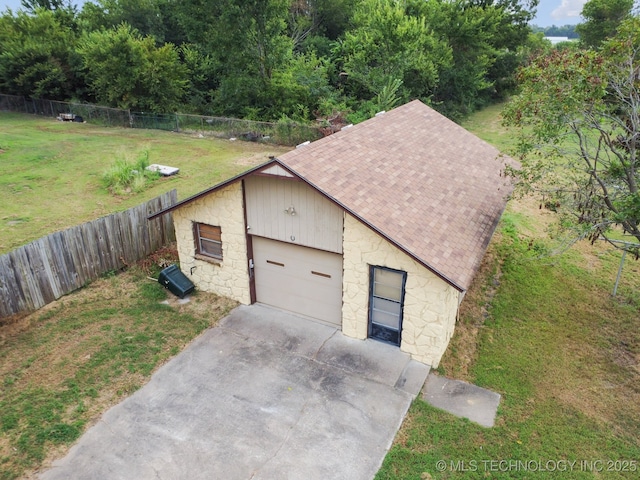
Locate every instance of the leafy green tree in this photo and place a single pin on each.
(516, 17)
(251, 44)
(296, 90)
(334, 16)
(568, 31)
(65, 11)
(510, 36)
(143, 15)
(247, 40)
(37, 56)
(33, 5)
(203, 81)
(318, 19)
(172, 29)
(387, 44)
(126, 70)
(602, 18)
(580, 113)
(486, 39)
(469, 30)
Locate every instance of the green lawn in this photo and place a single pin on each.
(52, 171)
(542, 331)
(545, 333)
(62, 366)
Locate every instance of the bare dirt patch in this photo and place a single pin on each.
(462, 350)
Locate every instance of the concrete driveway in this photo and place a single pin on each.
(264, 395)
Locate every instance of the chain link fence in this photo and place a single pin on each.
(284, 132)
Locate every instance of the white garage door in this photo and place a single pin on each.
(299, 279)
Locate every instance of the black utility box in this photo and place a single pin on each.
(176, 281)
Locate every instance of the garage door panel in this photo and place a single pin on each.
(285, 276)
(300, 279)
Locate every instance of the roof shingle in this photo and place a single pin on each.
(425, 183)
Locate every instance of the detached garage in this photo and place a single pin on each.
(377, 229)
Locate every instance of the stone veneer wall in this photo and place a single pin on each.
(222, 208)
(430, 304)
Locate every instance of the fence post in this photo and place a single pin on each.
(615, 287)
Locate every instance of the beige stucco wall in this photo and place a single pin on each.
(430, 306)
(222, 208)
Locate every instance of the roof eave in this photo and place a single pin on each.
(215, 188)
(373, 228)
(276, 161)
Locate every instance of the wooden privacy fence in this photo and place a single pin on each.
(42, 271)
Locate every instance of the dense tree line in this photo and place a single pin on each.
(568, 31)
(265, 59)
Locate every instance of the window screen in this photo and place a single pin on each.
(208, 240)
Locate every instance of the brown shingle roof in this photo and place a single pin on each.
(428, 185)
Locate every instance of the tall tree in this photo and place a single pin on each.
(469, 31)
(143, 15)
(517, 15)
(37, 56)
(203, 78)
(315, 18)
(65, 11)
(602, 18)
(249, 42)
(126, 70)
(510, 36)
(387, 44)
(33, 5)
(580, 110)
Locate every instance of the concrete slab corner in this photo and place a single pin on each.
(462, 399)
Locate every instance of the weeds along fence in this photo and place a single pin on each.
(105, 116)
(44, 270)
(284, 132)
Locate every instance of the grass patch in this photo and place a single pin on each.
(487, 125)
(127, 177)
(52, 172)
(545, 333)
(61, 367)
(564, 356)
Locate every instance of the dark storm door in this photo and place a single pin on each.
(386, 302)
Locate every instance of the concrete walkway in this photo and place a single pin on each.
(265, 395)
(462, 399)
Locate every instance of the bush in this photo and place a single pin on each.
(125, 176)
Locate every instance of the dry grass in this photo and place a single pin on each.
(545, 333)
(84, 353)
(462, 351)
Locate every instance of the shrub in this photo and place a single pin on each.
(126, 176)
